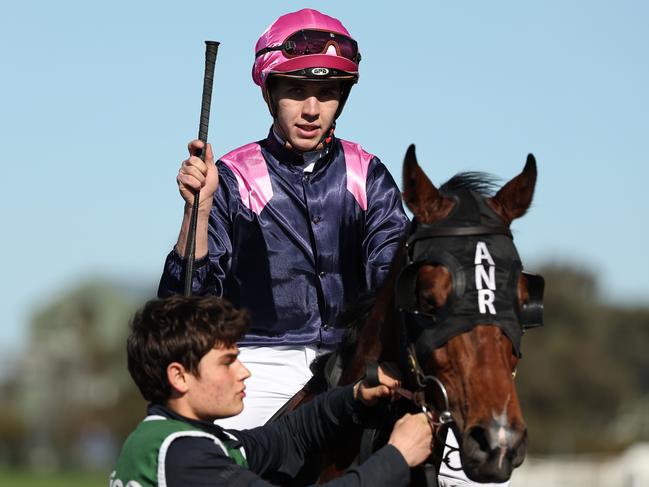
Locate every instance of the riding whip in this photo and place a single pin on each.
(211, 48)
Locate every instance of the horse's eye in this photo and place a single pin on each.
(428, 302)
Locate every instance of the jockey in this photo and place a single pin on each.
(182, 354)
(295, 226)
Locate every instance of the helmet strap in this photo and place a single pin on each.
(272, 108)
(345, 89)
(328, 137)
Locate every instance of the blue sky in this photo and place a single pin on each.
(98, 100)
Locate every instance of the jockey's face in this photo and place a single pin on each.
(217, 390)
(305, 110)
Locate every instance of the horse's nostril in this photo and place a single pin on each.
(479, 436)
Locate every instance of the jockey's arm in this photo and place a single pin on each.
(385, 224)
(213, 245)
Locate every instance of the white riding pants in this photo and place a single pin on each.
(277, 374)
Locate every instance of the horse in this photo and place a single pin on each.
(450, 316)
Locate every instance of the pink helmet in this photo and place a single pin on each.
(307, 44)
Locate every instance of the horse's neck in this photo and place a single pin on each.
(378, 336)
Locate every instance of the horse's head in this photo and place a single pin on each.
(465, 300)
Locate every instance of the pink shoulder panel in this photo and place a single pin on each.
(357, 161)
(249, 167)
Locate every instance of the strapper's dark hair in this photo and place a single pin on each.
(178, 329)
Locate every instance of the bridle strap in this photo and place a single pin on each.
(434, 232)
(430, 474)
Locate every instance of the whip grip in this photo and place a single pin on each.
(211, 49)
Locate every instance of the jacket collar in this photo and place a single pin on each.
(208, 427)
(275, 146)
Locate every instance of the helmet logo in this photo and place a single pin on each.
(320, 71)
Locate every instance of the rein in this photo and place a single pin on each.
(438, 419)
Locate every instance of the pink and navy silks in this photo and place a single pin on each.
(292, 247)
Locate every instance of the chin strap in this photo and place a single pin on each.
(328, 138)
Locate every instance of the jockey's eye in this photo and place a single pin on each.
(295, 90)
(329, 92)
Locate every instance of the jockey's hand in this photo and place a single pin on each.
(198, 175)
(370, 395)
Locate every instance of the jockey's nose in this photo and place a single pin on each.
(311, 107)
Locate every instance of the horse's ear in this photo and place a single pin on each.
(515, 197)
(419, 193)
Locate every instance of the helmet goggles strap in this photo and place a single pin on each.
(310, 41)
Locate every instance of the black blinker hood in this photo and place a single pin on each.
(478, 251)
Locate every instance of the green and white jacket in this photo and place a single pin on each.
(142, 459)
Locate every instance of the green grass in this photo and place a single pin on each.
(25, 478)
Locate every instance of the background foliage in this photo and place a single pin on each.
(584, 377)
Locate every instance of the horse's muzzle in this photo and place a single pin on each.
(490, 453)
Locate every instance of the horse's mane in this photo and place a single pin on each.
(351, 318)
(480, 182)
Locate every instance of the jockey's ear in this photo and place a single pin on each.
(420, 194)
(514, 198)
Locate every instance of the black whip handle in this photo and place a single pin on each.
(211, 49)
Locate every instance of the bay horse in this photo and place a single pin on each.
(451, 315)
